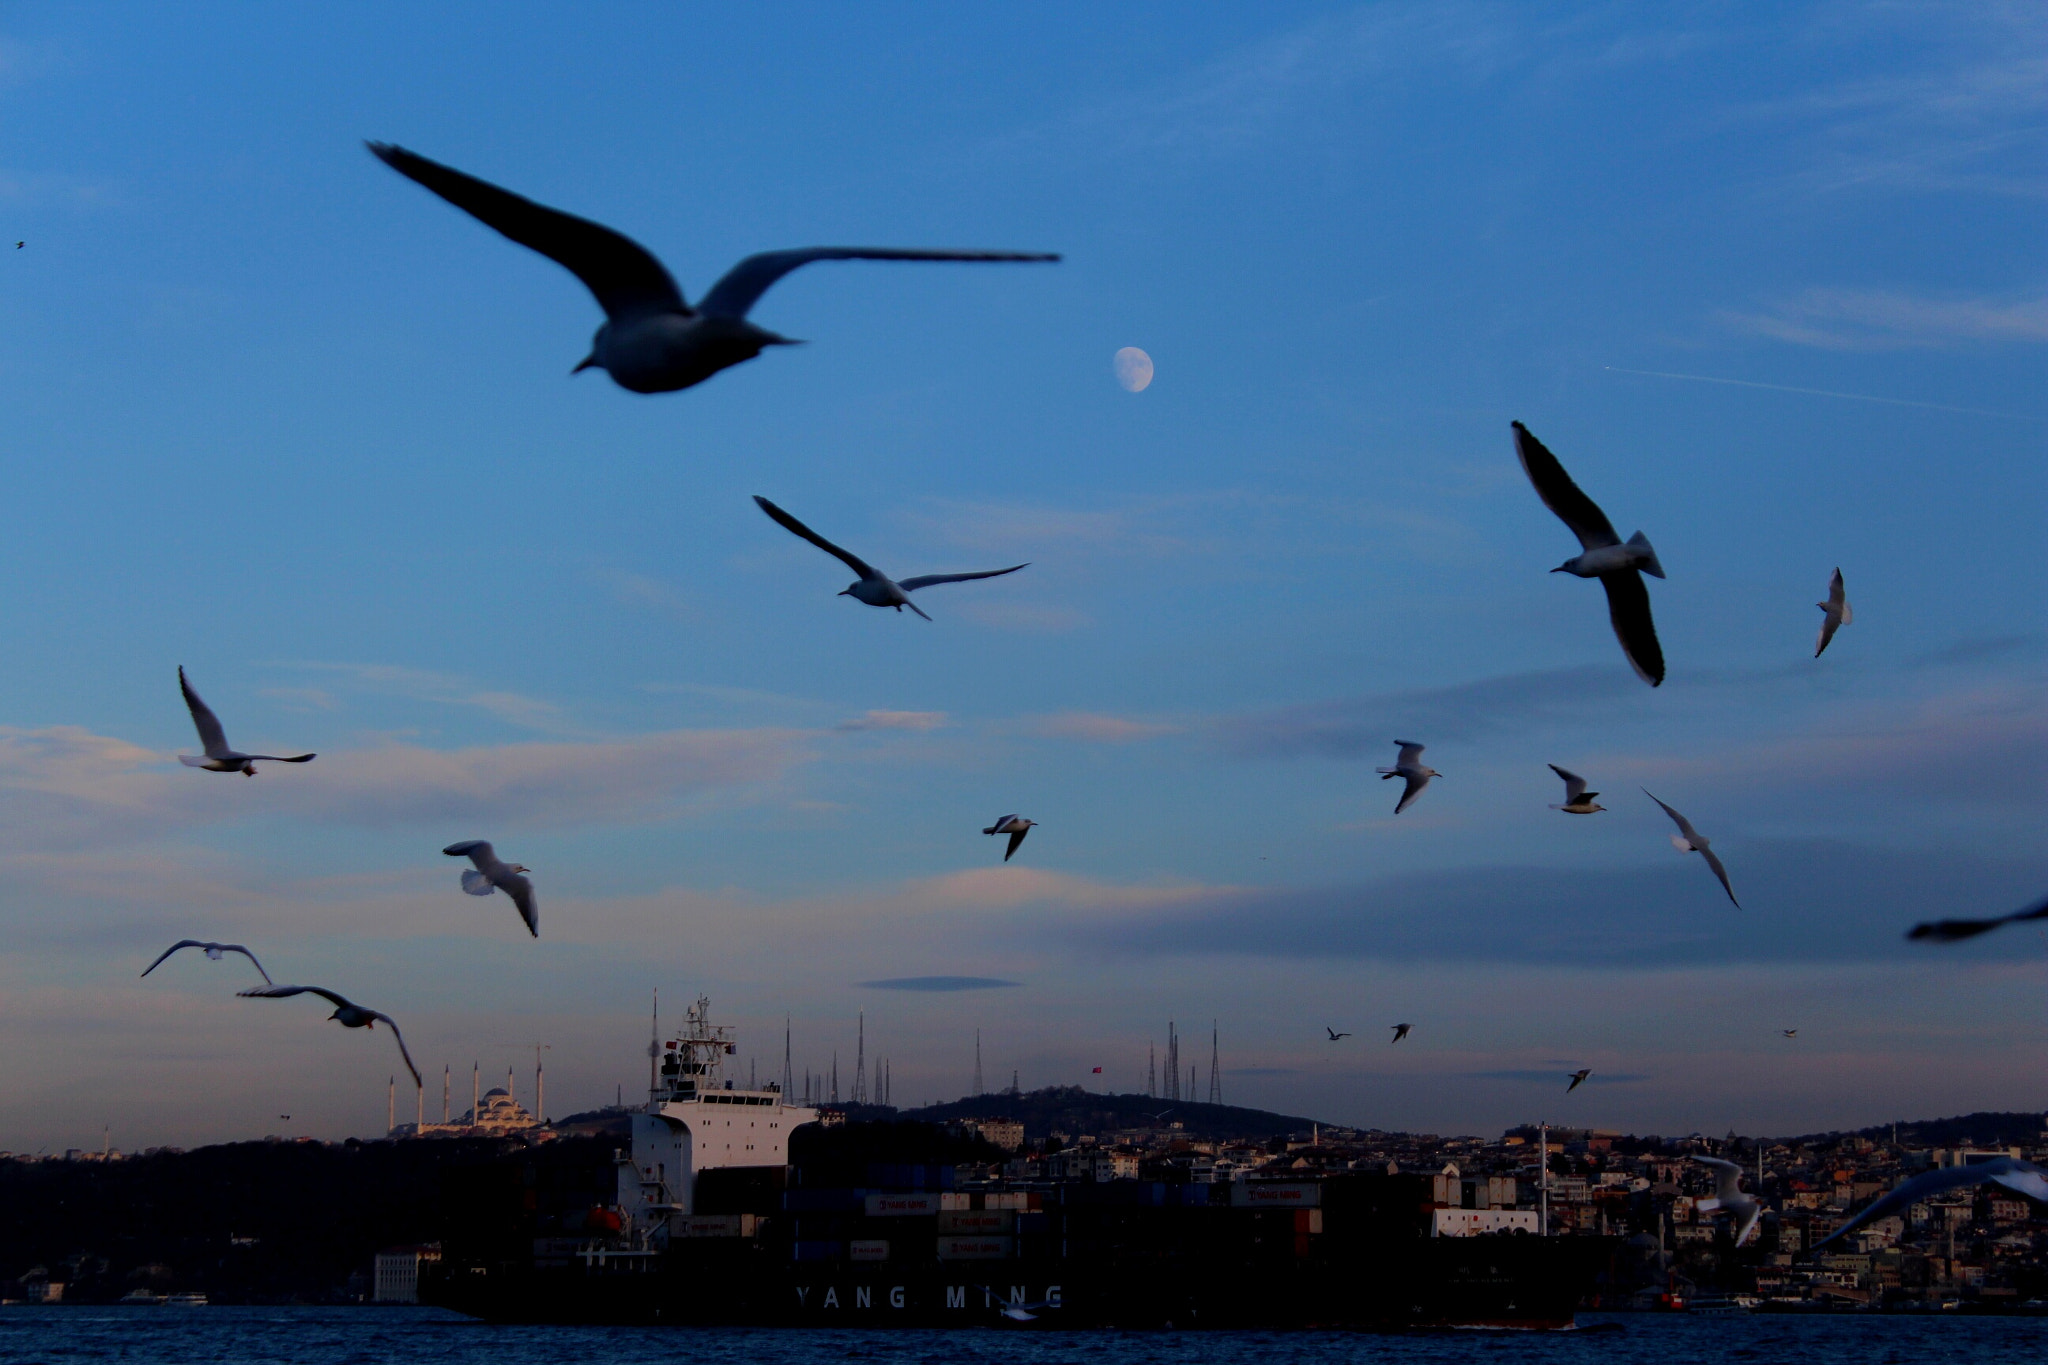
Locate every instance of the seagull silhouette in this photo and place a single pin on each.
(1690, 840)
(1728, 1196)
(1838, 613)
(493, 873)
(874, 588)
(651, 340)
(1408, 765)
(212, 950)
(1334, 1035)
(1789, 1032)
(2021, 1177)
(1578, 1079)
(1951, 930)
(1016, 826)
(1577, 800)
(350, 1015)
(219, 758)
(1400, 1032)
(1619, 567)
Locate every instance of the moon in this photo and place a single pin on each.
(1133, 368)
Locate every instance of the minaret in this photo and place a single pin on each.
(508, 1083)
(835, 1075)
(1172, 1063)
(1152, 1070)
(1215, 1067)
(476, 1090)
(447, 1074)
(540, 1091)
(787, 1075)
(860, 1061)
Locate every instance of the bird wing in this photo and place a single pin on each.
(520, 889)
(238, 948)
(280, 758)
(181, 943)
(927, 580)
(399, 1038)
(797, 528)
(1628, 608)
(1410, 755)
(1561, 495)
(625, 276)
(1721, 873)
(478, 851)
(1828, 625)
(741, 287)
(2025, 1178)
(1578, 1077)
(1016, 838)
(1411, 789)
(1727, 1177)
(1684, 825)
(1921, 1186)
(1950, 930)
(1574, 785)
(1838, 595)
(1749, 1222)
(211, 737)
(476, 883)
(281, 992)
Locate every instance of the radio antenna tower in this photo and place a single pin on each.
(860, 1062)
(1172, 1063)
(977, 1062)
(1215, 1067)
(785, 1059)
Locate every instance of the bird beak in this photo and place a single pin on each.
(589, 362)
(771, 339)
(848, 592)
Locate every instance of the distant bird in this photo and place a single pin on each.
(1690, 840)
(1619, 567)
(2021, 1177)
(1789, 1032)
(219, 758)
(1334, 1035)
(874, 588)
(19, 245)
(1952, 930)
(1578, 1079)
(1577, 800)
(651, 340)
(492, 873)
(1838, 613)
(1400, 1032)
(1016, 826)
(350, 1015)
(1408, 766)
(1743, 1209)
(213, 952)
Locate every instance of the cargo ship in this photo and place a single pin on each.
(703, 1221)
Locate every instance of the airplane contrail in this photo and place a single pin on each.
(1824, 393)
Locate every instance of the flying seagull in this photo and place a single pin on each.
(213, 951)
(1838, 613)
(874, 588)
(1789, 1032)
(1016, 826)
(219, 758)
(1400, 1032)
(1577, 800)
(1951, 930)
(1619, 567)
(1743, 1209)
(350, 1015)
(1690, 840)
(1578, 1079)
(493, 873)
(651, 341)
(1408, 765)
(2021, 1177)
(1334, 1035)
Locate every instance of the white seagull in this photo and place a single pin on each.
(1743, 1209)
(1950, 930)
(219, 758)
(2021, 1177)
(349, 1014)
(1408, 765)
(651, 340)
(1603, 555)
(1690, 840)
(1016, 826)
(213, 952)
(875, 588)
(1577, 800)
(1838, 613)
(493, 873)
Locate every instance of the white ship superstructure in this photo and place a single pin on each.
(696, 1120)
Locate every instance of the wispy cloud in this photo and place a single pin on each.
(919, 721)
(940, 983)
(1092, 727)
(641, 590)
(420, 684)
(1877, 320)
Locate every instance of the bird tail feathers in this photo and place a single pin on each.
(476, 883)
(1650, 565)
(1848, 614)
(194, 760)
(1679, 842)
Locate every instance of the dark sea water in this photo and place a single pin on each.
(402, 1336)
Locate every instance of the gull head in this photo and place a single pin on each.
(521, 867)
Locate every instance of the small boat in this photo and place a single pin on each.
(141, 1296)
(187, 1300)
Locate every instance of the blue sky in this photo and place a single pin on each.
(280, 416)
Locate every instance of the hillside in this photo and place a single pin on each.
(1985, 1129)
(1074, 1111)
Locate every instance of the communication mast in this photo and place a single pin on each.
(1215, 1067)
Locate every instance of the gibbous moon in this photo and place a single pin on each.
(1133, 368)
